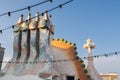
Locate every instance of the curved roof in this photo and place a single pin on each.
(78, 64)
(61, 43)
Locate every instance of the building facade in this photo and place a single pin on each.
(109, 76)
(36, 52)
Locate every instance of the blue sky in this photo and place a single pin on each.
(75, 22)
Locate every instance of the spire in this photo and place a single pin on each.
(91, 69)
(37, 16)
(18, 23)
(44, 21)
(51, 25)
(28, 17)
(33, 23)
(20, 19)
(45, 16)
(25, 24)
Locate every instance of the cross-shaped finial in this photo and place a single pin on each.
(89, 46)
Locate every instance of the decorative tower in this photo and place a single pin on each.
(1, 55)
(91, 69)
